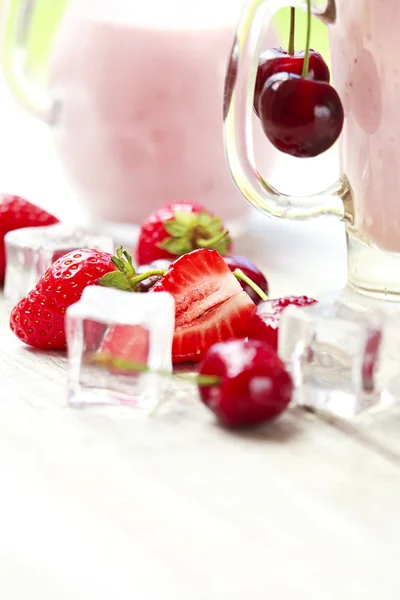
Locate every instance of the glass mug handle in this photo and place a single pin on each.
(335, 201)
(16, 24)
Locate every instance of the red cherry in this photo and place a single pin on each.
(253, 272)
(264, 322)
(299, 116)
(254, 384)
(277, 60)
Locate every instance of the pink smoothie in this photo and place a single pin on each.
(141, 85)
(366, 70)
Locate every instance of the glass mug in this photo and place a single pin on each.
(134, 100)
(363, 39)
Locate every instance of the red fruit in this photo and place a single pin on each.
(299, 116)
(127, 342)
(371, 359)
(254, 385)
(93, 334)
(210, 305)
(38, 319)
(277, 60)
(253, 272)
(264, 322)
(179, 228)
(16, 213)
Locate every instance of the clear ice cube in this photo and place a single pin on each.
(343, 361)
(31, 251)
(110, 334)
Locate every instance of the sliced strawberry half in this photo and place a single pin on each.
(223, 322)
(198, 281)
(210, 305)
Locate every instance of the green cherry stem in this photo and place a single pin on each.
(107, 361)
(202, 380)
(138, 278)
(308, 41)
(292, 30)
(238, 273)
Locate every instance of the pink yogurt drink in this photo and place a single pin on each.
(141, 89)
(366, 73)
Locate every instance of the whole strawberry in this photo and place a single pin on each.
(16, 213)
(38, 319)
(179, 228)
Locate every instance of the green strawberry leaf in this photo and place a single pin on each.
(117, 262)
(123, 262)
(176, 246)
(204, 219)
(116, 280)
(119, 252)
(128, 257)
(223, 245)
(175, 229)
(208, 226)
(187, 219)
(215, 227)
(220, 242)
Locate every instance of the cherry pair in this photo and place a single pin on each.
(300, 112)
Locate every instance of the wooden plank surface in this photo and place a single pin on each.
(112, 506)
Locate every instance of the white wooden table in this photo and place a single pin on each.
(100, 507)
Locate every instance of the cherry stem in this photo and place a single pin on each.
(238, 273)
(202, 380)
(108, 360)
(138, 278)
(203, 243)
(292, 30)
(306, 61)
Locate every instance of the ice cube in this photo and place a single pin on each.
(343, 361)
(111, 336)
(388, 375)
(31, 251)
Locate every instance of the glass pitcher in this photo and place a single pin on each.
(134, 100)
(364, 39)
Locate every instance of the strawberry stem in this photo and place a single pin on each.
(306, 62)
(125, 277)
(108, 360)
(238, 273)
(213, 242)
(292, 30)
